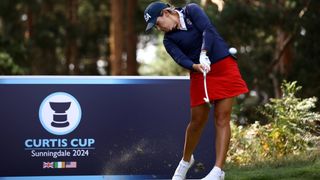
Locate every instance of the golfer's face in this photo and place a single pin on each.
(165, 22)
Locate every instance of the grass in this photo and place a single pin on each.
(304, 167)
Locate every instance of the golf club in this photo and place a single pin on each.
(206, 99)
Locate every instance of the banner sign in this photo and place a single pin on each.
(97, 126)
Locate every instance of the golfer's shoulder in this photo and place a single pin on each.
(193, 8)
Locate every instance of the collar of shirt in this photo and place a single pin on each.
(182, 22)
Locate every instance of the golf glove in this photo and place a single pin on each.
(204, 61)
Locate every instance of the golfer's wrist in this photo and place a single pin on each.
(196, 67)
(203, 52)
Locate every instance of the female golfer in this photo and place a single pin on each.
(194, 43)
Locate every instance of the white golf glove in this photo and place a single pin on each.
(204, 61)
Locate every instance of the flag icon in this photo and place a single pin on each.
(71, 164)
(47, 165)
(59, 164)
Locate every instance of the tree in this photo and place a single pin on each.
(132, 65)
(72, 60)
(123, 38)
(12, 42)
(116, 37)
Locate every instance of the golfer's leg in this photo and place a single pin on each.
(222, 115)
(199, 117)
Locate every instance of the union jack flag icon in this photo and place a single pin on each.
(47, 165)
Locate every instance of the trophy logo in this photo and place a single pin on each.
(60, 118)
(60, 113)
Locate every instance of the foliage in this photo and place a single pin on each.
(291, 129)
(163, 65)
(291, 111)
(37, 33)
(7, 66)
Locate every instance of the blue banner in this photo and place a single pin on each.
(110, 126)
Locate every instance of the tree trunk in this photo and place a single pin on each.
(285, 58)
(43, 59)
(116, 37)
(282, 62)
(1, 26)
(72, 62)
(132, 65)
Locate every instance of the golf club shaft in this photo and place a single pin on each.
(205, 88)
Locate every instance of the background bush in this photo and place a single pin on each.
(291, 129)
(7, 65)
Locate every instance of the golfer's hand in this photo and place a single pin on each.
(204, 61)
(198, 67)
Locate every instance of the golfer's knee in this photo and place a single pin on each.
(222, 119)
(197, 123)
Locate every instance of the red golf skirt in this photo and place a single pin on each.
(223, 81)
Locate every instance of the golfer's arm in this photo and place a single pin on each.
(177, 55)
